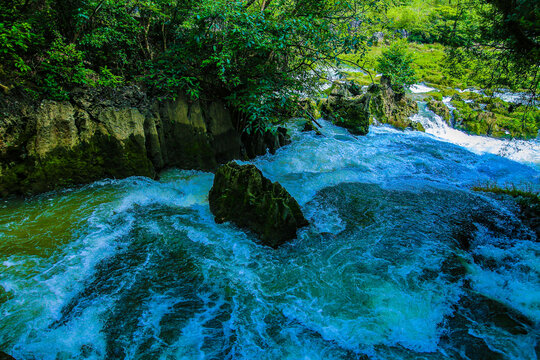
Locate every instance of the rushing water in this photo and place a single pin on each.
(401, 260)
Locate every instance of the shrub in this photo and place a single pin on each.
(62, 70)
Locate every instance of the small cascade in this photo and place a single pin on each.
(518, 150)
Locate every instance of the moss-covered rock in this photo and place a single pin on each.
(116, 134)
(242, 195)
(439, 108)
(351, 113)
(496, 118)
(380, 103)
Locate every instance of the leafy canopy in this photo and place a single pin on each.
(260, 55)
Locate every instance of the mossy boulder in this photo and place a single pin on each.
(379, 104)
(392, 107)
(494, 117)
(242, 195)
(352, 113)
(104, 133)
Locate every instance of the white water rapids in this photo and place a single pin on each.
(137, 269)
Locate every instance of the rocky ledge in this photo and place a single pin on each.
(104, 133)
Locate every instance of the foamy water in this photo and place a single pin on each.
(138, 269)
(519, 150)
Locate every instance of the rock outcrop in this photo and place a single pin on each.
(379, 104)
(115, 134)
(242, 195)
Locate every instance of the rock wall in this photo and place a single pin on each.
(112, 134)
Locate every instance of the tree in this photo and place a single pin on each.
(395, 62)
(502, 45)
(259, 55)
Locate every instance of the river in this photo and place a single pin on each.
(137, 269)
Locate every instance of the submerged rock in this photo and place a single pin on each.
(4, 356)
(242, 195)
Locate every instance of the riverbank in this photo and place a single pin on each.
(116, 133)
(499, 113)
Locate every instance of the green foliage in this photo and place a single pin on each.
(494, 117)
(436, 95)
(396, 62)
(62, 69)
(107, 78)
(258, 55)
(430, 21)
(14, 41)
(501, 45)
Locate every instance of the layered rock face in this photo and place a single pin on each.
(347, 108)
(113, 134)
(242, 195)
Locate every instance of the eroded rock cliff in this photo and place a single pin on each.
(114, 134)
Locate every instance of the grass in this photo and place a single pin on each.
(530, 195)
(494, 119)
(429, 65)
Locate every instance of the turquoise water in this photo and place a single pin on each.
(137, 269)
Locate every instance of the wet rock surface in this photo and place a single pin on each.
(348, 108)
(439, 108)
(242, 195)
(4, 356)
(116, 134)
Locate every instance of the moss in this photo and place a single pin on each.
(448, 92)
(360, 78)
(435, 95)
(349, 113)
(102, 157)
(439, 108)
(429, 65)
(491, 116)
(241, 194)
